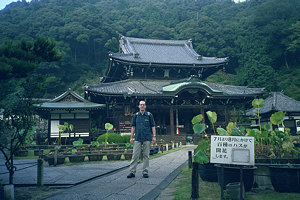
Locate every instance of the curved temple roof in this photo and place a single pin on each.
(69, 100)
(135, 87)
(153, 51)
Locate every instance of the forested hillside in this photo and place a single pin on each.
(261, 37)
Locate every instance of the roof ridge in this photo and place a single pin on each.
(69, 91)
(155, 41)
(285, 96)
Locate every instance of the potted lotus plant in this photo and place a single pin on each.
(76, 157)
(284, 177)
(207, 170)
(95, 154)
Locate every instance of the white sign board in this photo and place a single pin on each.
(238, 150)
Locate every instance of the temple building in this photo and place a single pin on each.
(69, 107)
(277, 101)
(170, 76)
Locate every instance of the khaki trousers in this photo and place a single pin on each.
(137, 148)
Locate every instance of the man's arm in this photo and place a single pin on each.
(132, 133)
(153, 135)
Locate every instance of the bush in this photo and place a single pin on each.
(126, 138)
(113, 138)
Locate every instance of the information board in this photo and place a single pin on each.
(237, 150)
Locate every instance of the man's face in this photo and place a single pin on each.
(142, 106)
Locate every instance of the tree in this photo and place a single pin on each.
(17, 89)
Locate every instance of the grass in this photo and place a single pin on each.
(182, 188)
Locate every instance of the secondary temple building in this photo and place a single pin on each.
(169, 75)
(68, 107)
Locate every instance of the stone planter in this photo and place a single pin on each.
(208, 172)
(285, 178)
(262, 176)
(76, 158)
(232, 174)
(9, 192)
(114, 156)
(38, 152)
(95, 157)
(50, 159)
(127, 156)
(153, 151)
(21, 153)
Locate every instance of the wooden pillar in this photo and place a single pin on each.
(49, 131)
(172, 123)
(202, 112)
(226, 115)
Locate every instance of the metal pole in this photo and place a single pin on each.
(195, 181)
(190, 159)
(241, 183)
(222, 182)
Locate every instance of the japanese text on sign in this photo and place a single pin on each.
(232, 150)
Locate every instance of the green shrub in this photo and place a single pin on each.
(126, 138)
(113, 138)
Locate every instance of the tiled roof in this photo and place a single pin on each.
(69, 105)
(81, 103)
(145, 87)
(277, 101)
(130, 87)
(178, 52)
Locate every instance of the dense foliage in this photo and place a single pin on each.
(17, 89)
(261, 37)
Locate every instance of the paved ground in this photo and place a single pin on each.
(93, 181)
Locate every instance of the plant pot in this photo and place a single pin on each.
(76, 158)
(232, 174)
(95, 157)
(50, 159)
(153, 151)
(114, 156)
(285, 178)
(21, 153)
(38, 152)
(208, 172)
(127, 156)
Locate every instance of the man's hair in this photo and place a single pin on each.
(143, 101)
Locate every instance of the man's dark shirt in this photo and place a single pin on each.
(143, 126)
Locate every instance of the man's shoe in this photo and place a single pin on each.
(145, 175)
(131, 175)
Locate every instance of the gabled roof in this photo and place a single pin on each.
(69, 100)
(153, 51)
(149, 87)
(277, 101)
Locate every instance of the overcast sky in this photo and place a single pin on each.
(3, 3)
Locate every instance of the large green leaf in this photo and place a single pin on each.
(197, 119)
(203, 145)
(95, 144)
(267, 127)
(108, 126)
(62, 128)
(258, 103)
(222, 132)
(212, 116)
(199, 128)
(277, 118)
(230, 127)
(250, 132)
(201, 157)
(71, 127)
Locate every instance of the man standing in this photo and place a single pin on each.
(143, 126)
